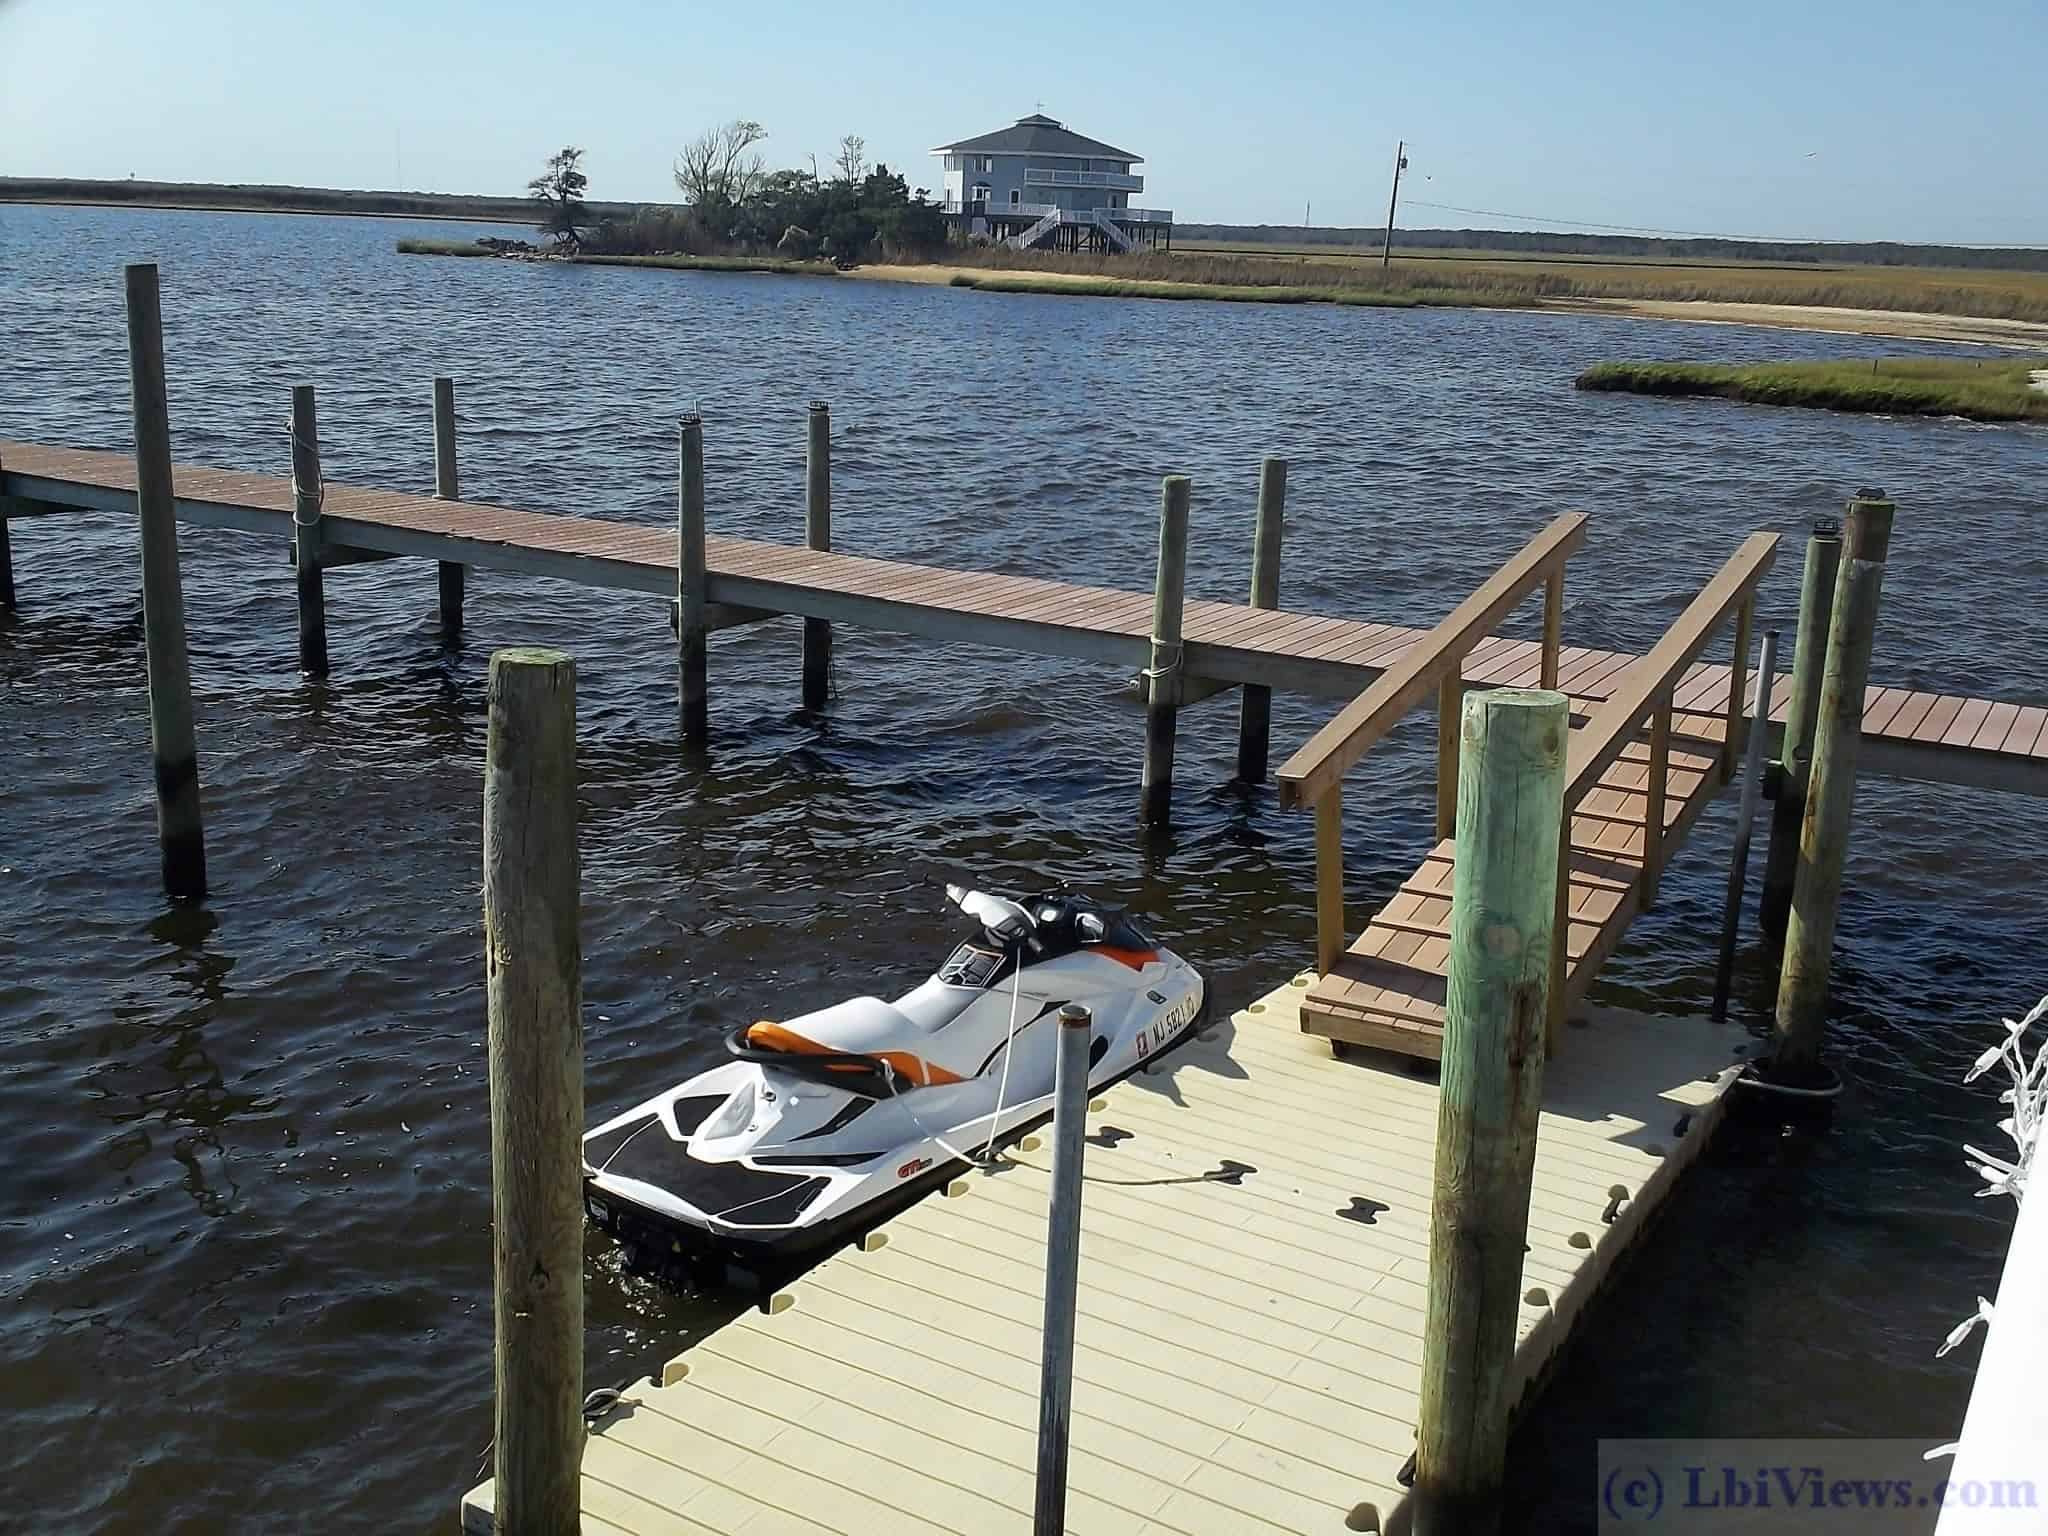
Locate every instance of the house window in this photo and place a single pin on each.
(986, 164)
(1016, 197)
(980, 192)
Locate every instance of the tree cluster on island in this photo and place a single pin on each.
(734, 205)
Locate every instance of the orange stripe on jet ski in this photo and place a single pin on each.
(1136, 959)
(767, 1036)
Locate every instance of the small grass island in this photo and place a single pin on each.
(1980, 389)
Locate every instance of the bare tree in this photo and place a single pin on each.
(559, 192)
(719, 165)
(853, 158)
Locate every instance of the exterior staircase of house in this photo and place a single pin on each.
(1031, 236)
(1113, 231)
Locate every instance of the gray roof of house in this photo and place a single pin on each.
(1038, 134)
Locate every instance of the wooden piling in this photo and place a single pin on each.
(6, 562)
(1795, 757)
(307, 534)
(1824, 831)
(1510, 810)
(690, 582)
(533, 972)
(1164, 676)
(818, 535)
(6, 565)
(172, 744)
(447, 487)
(1255, 708)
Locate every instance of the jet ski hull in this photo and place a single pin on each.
(749, 1168)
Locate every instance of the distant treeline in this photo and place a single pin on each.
(195, 194)
(520, 210)
(1881, 253)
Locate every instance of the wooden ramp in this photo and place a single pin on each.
(1387, 989)
(1939, 738)
(1254, 1264)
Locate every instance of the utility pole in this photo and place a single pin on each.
(1400, 165)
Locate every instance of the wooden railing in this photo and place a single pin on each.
(1314, 775)
(1644, 691)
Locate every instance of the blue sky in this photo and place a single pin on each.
(1799, 118)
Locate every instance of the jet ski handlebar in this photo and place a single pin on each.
(1004, 919)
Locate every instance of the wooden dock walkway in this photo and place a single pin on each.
(1937, 738)
(1254, 1263)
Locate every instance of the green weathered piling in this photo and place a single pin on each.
(1164, 676)
(1504, 896)
(690, 582)
(1255, 709)
(308, 538)
(172, 745)
(1795, 757)
(818, 535)
(533, 980)
(447, 487)
(1824, 833)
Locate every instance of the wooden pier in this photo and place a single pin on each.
(1252, 1293)
(1937, 738)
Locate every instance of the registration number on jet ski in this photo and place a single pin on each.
(1159, 1035)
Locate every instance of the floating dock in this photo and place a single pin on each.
(1254, 1266)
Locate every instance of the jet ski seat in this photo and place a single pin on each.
(863, 1036)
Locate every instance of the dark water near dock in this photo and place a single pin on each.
(244, 1252)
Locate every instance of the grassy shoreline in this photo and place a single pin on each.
(472, 248)
(1224, 293)
(1979, 389)
(1098, 279)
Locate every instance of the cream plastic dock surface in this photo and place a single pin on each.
(1254, 1268)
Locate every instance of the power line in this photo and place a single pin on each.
(1623, 229)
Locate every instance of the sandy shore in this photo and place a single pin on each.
(1908, 325)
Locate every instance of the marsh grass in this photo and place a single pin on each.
(678, 262)
(1452, 278)
(686, 263)
(413, 247)
(1982, 389)
(1227, 293)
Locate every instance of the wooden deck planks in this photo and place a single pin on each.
(1247, 1358)
(1106, 623)
(1388, 990)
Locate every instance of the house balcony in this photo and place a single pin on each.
(1113, 181)
(1072, 215)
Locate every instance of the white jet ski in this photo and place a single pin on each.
(822, 1125)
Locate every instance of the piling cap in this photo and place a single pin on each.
(1075, 1016)
(1869, 536)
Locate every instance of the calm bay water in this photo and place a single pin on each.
(244, 1252)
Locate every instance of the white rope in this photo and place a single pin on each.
(1173, 666)
(299, 496)
(986, 1155)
